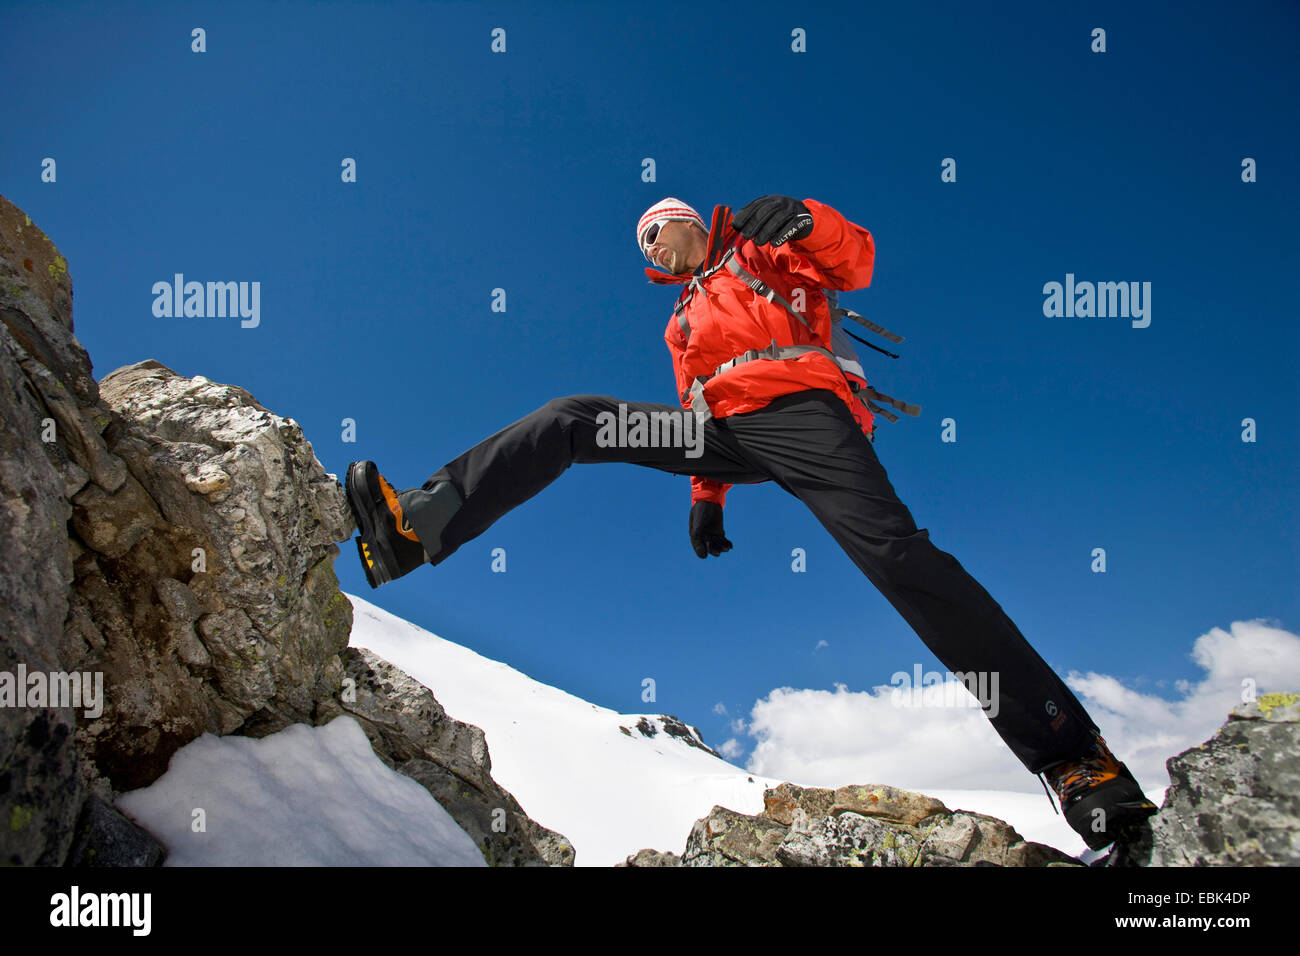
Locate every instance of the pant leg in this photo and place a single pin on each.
(810, 444)
(506, 469)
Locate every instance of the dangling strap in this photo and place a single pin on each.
(866, 343)
(1048, 792)
(850, 314)
(902, 406)
(877, 410)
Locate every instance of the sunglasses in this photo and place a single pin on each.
(650, 236)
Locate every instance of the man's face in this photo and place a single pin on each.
(679, 247)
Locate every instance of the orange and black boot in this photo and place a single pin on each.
(399, 531)
(1101, 799)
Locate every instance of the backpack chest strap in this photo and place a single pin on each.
(694, 286)
(773, 351)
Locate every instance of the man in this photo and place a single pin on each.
(750, 344)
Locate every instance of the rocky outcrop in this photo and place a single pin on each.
(204, 587)
(650, 727)
(50, 446)
(853, 826)
(171, 541)
(651, 858)
(168, 540)
(411, 733)
(1235, 799)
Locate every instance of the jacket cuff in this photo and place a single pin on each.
(825, 230)
(702, 489)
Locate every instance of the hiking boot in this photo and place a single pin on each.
(398, 531)
(1101, 799)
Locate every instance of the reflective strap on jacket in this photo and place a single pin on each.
(698, 405)
(774, 352)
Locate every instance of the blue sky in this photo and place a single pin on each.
(522, 170)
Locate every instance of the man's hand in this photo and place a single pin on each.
(706, 529)
(774, 220)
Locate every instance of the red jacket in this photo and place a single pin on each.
(726, 318)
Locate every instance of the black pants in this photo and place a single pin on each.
(807, 443)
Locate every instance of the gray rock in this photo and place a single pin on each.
(411, 733)
(650, 727)
(36, 302)
(1235, 799)
(40, 787)
(113, 523)
(728, 838)
(854, 826)
(871, 800)
(651, 858)
(108, 838)
(686, 734)
(240, 519)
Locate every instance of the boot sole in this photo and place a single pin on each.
(364, 498)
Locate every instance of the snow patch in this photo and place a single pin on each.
(306, 796)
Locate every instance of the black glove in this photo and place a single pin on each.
(706, 529)
(774, 219)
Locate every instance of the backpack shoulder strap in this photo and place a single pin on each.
(762, 288)
(721, 232)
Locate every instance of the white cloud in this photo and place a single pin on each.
(720, 709)
(829, 739)
(821, 644)
(732, 749)
(1149, 729)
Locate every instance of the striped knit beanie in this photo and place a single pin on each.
(665, 210)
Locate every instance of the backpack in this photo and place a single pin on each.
(842, 351)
